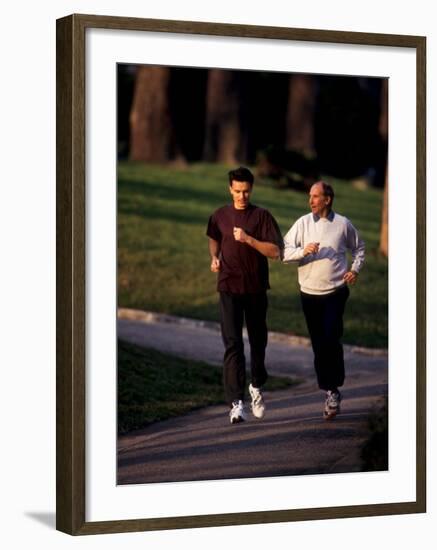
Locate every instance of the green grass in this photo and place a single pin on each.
(163, 261)
(154, 386)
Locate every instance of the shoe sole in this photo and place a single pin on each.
(259, 416)
(237, 420)
(330, 415)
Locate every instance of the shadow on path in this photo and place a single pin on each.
(292, 439)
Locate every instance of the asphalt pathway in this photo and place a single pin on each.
(292, 439)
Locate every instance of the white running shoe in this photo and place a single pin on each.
(237, 413)
(332, 404)
(258, 406)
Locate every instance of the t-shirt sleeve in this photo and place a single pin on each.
(270, 231)
(213, 230)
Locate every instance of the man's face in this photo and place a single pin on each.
(318, 201)
(240, 191)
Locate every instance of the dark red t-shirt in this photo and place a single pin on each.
(243, 270)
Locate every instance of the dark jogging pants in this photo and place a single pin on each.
(234, 309)
(324, 317)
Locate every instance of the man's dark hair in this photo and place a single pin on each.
(241, 174)
(328, 191)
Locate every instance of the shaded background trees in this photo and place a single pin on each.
(151, 128)
(301, 108)
(230, 117)
(293, 128)
(226, 117)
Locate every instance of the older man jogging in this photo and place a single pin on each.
(319, 242)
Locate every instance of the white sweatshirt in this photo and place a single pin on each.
(322, 273)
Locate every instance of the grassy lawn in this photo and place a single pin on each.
(154, 386)
(163, 261)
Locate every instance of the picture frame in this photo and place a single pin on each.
(71, 204)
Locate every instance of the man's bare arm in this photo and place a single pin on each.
(214, 252)
(270, 250)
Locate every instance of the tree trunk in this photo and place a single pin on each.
(224, 136)
(300, 113)
(151, 137)
(383, 115)
(383, 130)
(383, 240)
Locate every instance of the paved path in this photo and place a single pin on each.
(292, 439)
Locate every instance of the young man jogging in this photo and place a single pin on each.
(319, 242)
(241, 238)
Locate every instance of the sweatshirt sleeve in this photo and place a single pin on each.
(293, 249)
(357, 247)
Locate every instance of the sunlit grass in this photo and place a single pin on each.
(155, 386)
(163, 261)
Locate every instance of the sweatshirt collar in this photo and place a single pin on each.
(329, 217)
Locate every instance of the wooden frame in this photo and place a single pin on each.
(71, 414)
